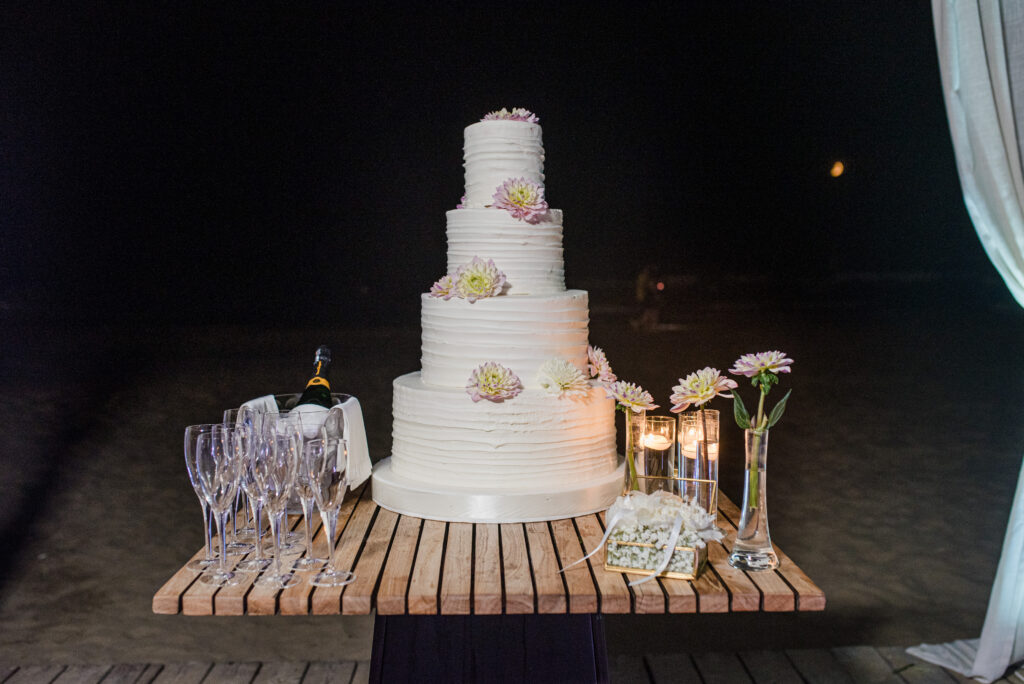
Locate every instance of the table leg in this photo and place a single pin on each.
(474, 648)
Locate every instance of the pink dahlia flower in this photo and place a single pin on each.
(493, 382)
(522, 198)
(699, 388)
(478, 279)
(762, 362)
(517, 114)
(598, 365)
(444, 288)
(630, 396)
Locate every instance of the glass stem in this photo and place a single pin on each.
(234, 509)
(257, 516)
(275, 523)
(307, 511)
(222, 522)
(206, 531)
(331, 519)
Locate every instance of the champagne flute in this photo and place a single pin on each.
(325, 461)
(192, 433)
(255, 465)
(286, 423)
(304, 488)
(218, 465)
(279, 449)
(246, 416)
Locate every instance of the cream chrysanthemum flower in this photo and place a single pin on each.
(521, 198)
(597, 364)
(699, 388)
(444, 287)
(762, 362)
(493, 382)
(631, 396)
(561, 378)
(517, 114)
(479, 279)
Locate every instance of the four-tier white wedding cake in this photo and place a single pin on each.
(504, 422)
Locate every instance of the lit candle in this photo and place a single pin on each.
(658, 442)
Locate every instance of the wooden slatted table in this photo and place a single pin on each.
(462, 601)
(410, 566)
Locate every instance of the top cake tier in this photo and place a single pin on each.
(496, 150)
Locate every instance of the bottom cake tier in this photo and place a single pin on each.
(533, 457)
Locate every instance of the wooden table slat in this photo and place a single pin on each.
(357, 598)
(457, 583)
(487, 571)
(776, 595)
(582, 592)
(516, 566)
(681, 596)
(648, 597)
(262, 600)
(544, 563)
(744, 596)
(426, 575)
(614, 594)
(353, 521)
(712, 596)
(394, 581)
(295, 599)
(167, 600)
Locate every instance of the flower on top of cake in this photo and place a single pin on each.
(522, 198)
(493, 382)
(517, 114)
(476, 280)
(597, 364)
(562, 379)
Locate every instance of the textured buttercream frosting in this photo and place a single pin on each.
(497, 150)
(529, 254)
(519, 332)
(441, 436)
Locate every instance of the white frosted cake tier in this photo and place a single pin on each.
(520, 332)
(442, 437)
(529, 254)
(497, 150)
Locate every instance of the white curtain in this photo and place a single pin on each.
(981, 58)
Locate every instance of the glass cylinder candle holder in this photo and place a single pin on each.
(660, 454)
(695, 461)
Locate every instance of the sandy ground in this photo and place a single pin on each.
(891, 474)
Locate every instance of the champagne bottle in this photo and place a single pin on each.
(318, 389)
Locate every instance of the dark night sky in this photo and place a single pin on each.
(166, 163)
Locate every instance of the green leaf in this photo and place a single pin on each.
(739, 412)
(778, 410)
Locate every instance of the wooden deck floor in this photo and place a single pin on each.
(848, 665)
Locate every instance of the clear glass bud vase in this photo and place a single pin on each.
(635, 424)
(753, 547)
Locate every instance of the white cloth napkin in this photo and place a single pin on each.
(344, 420)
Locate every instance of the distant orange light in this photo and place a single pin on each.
(837, 169)
(660, 286)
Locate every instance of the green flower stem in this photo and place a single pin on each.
(704, 463)
(634, 482)
(753, 473)
(760, 409)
